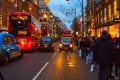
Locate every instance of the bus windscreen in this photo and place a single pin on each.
(19, 24)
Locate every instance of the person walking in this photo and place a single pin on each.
(83, 47)
(117, 58)
(103, 55)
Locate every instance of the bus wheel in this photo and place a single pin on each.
(6, 60)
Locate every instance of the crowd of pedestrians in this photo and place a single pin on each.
(103, 51)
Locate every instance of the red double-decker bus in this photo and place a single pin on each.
(67, 33)
(26, 28)
(44, 29)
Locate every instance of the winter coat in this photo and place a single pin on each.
(117, 51)
(103, 51)
(83, 43)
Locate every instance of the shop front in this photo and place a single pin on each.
(100, 30)
(114, 30)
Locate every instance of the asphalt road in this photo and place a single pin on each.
(49, 66)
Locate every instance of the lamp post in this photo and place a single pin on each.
(81, 3)
(68, 13)
(83, 30)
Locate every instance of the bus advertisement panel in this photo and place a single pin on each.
(26, 28)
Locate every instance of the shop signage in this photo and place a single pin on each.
(117, 19)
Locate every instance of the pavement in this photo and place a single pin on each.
(96, 69)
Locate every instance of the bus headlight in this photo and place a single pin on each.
(8, 49)
(71, 45)
(60, 45)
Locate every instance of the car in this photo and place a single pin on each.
(8, 48)
(66, 43)
(46, 43)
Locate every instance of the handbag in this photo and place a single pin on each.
(80, 52)
(92, 68)
(88, 59)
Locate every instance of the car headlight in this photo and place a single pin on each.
(8, 49)
(60, 45)
(71, 45)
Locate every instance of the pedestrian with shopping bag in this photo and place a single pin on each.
(103, 55)
(83, 47)
(91, 52)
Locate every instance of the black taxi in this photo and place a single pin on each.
(8, 48)
(46, 43)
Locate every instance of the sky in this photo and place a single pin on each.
(66, 10)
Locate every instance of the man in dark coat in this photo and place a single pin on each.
(103, 55)
(117, 57)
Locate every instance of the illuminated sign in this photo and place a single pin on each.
(117, 19)
(19, 17)
(22, 32)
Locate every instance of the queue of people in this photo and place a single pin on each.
(105, 52)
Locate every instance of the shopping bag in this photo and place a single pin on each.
(88, 59)
(80, 52)
(92, 68)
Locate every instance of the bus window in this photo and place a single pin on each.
(5, 40)
(11, 40)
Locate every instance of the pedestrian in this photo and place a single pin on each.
(91, 52)
(90, 49)
(117, 57)
(2, 76)
(83, 47)
(111, 68)
(103, 55)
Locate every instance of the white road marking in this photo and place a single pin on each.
(53, 55)
(36, 76)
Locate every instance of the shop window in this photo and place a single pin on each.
(115, 9)
(105, 15)
(101, 16)
(109, 12)
(1, 19)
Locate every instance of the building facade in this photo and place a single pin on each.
(9, 6)
(106, 16)
(6, 7)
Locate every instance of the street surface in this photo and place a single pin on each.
(49, 66)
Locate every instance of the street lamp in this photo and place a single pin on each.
(45, 16)
(81, 3)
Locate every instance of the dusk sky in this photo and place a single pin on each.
(63, 7)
